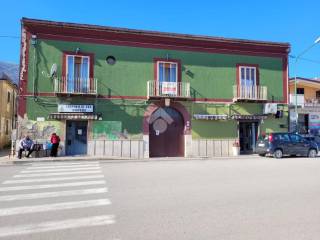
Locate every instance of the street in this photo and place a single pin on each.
(254, 198)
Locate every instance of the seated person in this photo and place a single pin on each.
(26, 144)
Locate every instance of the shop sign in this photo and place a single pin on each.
(314, 123)
(230, 117)
(71, 108)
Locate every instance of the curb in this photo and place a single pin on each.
(7, 161)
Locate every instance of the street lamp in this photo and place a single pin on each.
(295, 79)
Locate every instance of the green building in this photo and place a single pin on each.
(132, 93)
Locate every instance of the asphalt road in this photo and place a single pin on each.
(256, 198)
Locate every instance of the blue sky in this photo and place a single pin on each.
(296, 22)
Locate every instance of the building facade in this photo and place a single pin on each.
(8, 110)
(304, 96)
(121, 92)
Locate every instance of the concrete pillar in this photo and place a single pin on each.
(188, 145)
(145, 146)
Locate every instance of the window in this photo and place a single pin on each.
(248, 76)
(77, 73)
(167, 71)
(8, 97)
(284, 137)
(300, 90)
(296, 138)
(7, 127)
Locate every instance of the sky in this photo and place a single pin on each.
(296, 22)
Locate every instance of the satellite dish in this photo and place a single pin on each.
(53, 71)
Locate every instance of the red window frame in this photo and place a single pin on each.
(239, 65)
(166, 60)
(80, 54)
(177, 61)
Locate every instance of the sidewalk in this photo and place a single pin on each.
(5, 160)
(4, 155)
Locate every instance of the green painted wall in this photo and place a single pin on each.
(214, 129)
(128, 113)
(128, 116)
(211, 75)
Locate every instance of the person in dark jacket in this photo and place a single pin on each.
(26, 144)
(55, 140)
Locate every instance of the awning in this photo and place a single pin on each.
(229, 117)
(74, 116)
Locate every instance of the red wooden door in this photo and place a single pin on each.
(166, 138)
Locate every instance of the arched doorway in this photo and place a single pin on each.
(166, 133)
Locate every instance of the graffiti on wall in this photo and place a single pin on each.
(109, 130)
(39, 129)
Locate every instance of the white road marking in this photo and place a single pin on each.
(43, 186)
(64, 166)
(53, 207)
(56, 179)
(61, 170)
(53, 194)
(57, 225)
(54, 174)
(61, 164)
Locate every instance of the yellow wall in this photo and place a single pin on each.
(7, 111)
(309, 90)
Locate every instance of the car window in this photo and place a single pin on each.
(295, 138)
(284, 137)
(317, 139)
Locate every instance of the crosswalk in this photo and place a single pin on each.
(54, 196)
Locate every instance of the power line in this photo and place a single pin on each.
(8, 36)
(305, 59)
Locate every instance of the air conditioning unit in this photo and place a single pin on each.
(270, 108)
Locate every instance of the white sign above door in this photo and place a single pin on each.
(75, 108)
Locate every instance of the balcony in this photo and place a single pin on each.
(300, 99)
(249, 93)
(305, 105)
(157, 89)
(79, 86)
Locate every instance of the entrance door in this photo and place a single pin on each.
(248, 136)
(76, 138)
(166, 138)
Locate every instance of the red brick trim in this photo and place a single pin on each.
(176, 105)
(167, 46)
(23, 85)
(121, 36)
(285, 79)
(213, 100)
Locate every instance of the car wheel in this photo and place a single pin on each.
(262, 154)
(312, 153)
(277, 153)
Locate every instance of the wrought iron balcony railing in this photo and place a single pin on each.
(168, 89)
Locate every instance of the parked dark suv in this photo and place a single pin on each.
(278, 144)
